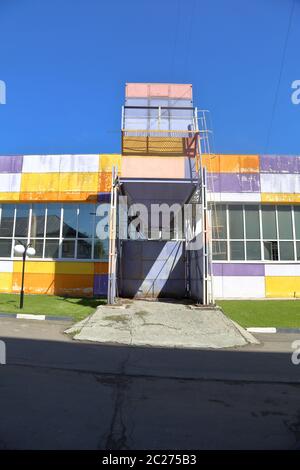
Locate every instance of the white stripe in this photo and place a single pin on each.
(255, 329)
(235, 197)
(61, 163)
(27, 316)
(10, 182)
(282, 269)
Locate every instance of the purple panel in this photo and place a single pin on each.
(280, 163)
(234, 182)
(238, 269)
(103, 197)
(11, 164)
(100, 284)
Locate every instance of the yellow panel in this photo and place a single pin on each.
(39, 182)
(6, 282)
(55, 267)
(282, 286)
(283, 198)
(108, 161)
(56, 196)
(78, 182)
(9, 196)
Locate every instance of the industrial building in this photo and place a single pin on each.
(247, 228)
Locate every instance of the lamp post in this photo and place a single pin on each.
(23, 250)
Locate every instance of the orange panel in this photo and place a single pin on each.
(37, 283)
(101, 268)
(74, 285)
(104, 182)
(58, 196)
(231, 163)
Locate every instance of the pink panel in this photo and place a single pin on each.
(152, 167)
(142, 90)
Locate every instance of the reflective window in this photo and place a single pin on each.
(297, 221)
(52, 249)
(86, 220)
(84, 249)
(70, 221)
(37, 220)
(219, 227)
(285, 224)
(219, 250)
(252, 222)
(53, 220)
(7, 220)
(253, 251)
(5, 248)
(38, 245)
(237, 251)
(101, 249)
(22, 220)
(68, 249)
(286, 251)
(298, 251)
(268, 214)
(236, 225)
(271, 250)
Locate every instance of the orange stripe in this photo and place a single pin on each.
(231, 163)
(101, 268)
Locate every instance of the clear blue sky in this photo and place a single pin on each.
(65, 63)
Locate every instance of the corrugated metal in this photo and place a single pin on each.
(280, 163)
(243, 287)
(11, 164)
(280, 183)
(233, 182)
(153, 167)
(231, 163)
(238, 269)
(282, 286)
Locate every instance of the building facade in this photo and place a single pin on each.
(53, 201)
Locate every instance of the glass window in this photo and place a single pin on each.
(298, 250)
(101, 249)
(37, 220)
(51, 248)
(84, 249)
(253, 251)
(38, 245)
(271, 250)
(236, 226)
(19, 241)
(70, 221)
(285, 224)
(53, 220)
(85, 220)
(5, 248)
(22, 220)
(237, 251)
(269, 222)
(297, 221)
(7, 220)
(219, 250)
(252, 222)
(286, 251)
(68, 249)
(219, 227)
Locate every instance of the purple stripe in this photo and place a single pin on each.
(238, 269)
(280, 163)
(103, 197)
(100, 284)
(234, 182)
(11, 164)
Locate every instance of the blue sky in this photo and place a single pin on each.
(65, 64)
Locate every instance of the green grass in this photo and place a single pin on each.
(277, 313)
(77, 308)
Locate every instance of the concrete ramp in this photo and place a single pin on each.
(161, 324)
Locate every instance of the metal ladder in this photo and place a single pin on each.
(112, 253)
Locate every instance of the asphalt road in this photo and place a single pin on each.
(59, 394)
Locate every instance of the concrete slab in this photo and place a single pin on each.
(161, 324)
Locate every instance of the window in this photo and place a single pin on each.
(236, 224)
(255, 232)
(268, 214)
(55, 231)
(271, 251)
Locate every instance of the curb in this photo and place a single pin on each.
(272, 330)
(28, 316)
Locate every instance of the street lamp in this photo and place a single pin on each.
(23, 250)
